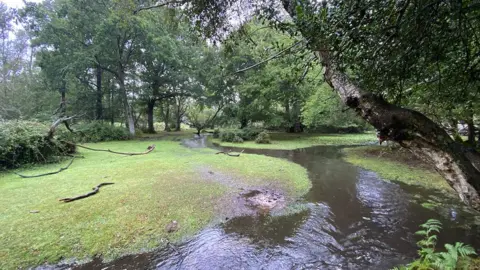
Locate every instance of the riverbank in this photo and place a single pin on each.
(291, 141)
(397, 165)
(150, 191)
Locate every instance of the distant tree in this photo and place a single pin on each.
(200, 117)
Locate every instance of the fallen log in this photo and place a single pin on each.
(45, 174)
(95, 191)
(229, 153)
(150, 148)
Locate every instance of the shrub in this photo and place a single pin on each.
(237, 139)
(216, 133)
(338, 129)
(227, 136)
(263, 137)
(96, 131)
(248, 134)
(24, 142)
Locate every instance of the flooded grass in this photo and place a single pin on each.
(130, 216)
(396, 165)
(290, 141)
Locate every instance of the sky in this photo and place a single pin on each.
(16, 3)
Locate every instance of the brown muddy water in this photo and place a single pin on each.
(350, 219)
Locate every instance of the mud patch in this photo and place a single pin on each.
(264, 200)
(244, 199)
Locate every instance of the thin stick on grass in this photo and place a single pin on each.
(95, 191)
(229, 153)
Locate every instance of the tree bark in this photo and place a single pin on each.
(471, 131)
(150, 107)
(126, 106)
(412, 130)
(99, 105)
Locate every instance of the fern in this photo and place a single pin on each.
(455, 257)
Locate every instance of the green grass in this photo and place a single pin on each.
(290, 141)
(392, 165)
(129, 216)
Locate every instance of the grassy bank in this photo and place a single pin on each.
(290, 141)
(396, 165)
(130, 216)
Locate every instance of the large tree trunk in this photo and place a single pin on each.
(412, 130)
(126, 106)
(99, 105)
(150, 107)
(409, 128)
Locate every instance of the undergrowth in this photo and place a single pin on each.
(456, 256)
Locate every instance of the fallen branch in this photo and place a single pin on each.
(44, 174)
(149, 149)
(95, 191)
(229, 153)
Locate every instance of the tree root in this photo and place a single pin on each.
(229, 153)
(149, 149)
(95, 191)
(45, 174)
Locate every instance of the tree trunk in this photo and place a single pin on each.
(99, 105)
(412, 130)
(150, 107)
(112, 112)
(126, 106)
(243, 122)
(179, 119)
(471, 131)
(178, 113)
(166, 116)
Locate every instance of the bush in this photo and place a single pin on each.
(24, 142)
(237, 139)
(96, 131)
(248, 134)
(263, 137)
(337, 129)
(227, 136)
(216, 133)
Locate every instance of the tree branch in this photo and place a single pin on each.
(229, 153)
(45, 174)
(268, 59)
(158, 5)
(149, 149)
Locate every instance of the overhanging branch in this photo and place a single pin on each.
(269, 59)
(158, 5)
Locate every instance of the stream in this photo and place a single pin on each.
(352, 220)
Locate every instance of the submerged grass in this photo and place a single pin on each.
(130, 216)
(396, 165)
(290, 141)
